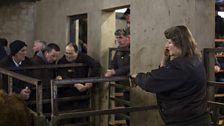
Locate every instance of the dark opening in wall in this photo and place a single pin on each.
(78, 31)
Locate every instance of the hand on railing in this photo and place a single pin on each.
(109, 73)
(59, 78)
(81, 87)
(25, 93)
(88, 85)
(217, 69)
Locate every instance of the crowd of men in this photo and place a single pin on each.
(47, 54)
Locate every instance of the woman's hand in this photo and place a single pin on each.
(165, 58)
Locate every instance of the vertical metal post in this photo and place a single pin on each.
(54, 104)
(10, 85)
(111, 103)
(1, 81)
(39, 98)
(209, 61)
(111, 117)
(110, 56)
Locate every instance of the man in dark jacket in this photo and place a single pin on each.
(79, 89)
(73, 56)
(120, 65)
(47, 56)
(16, 60)
(38, 45)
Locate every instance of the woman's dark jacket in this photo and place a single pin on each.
(180, 87)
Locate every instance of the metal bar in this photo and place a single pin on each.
(1, 81)
(54, 95)
(10, 85)
(209, 62)
(54, 109)
(216, 104)
(214, 50)
(52, 66)
(39, 98)
(124, 102)
(21, 77)
(111, 104)
(28, 80)
(90, 79)
(108, 111)
(217, 84)
(62, 99)
(75, 110)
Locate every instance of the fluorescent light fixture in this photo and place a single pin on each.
(121, 10)
(221, 13)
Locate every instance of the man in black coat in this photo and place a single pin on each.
(79, 89)
(73, 56)
(47, 56)
(16, 60)
(120, 65)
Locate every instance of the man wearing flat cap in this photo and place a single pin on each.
(120, 64)
(15, 60)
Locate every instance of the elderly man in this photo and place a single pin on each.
(38, 45)
(121, 62)
(120, 65)
(16, 59)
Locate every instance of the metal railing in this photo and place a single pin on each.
(56, 116)
(40, 117)
(116, 94)
(209, 61)
(32, 81)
